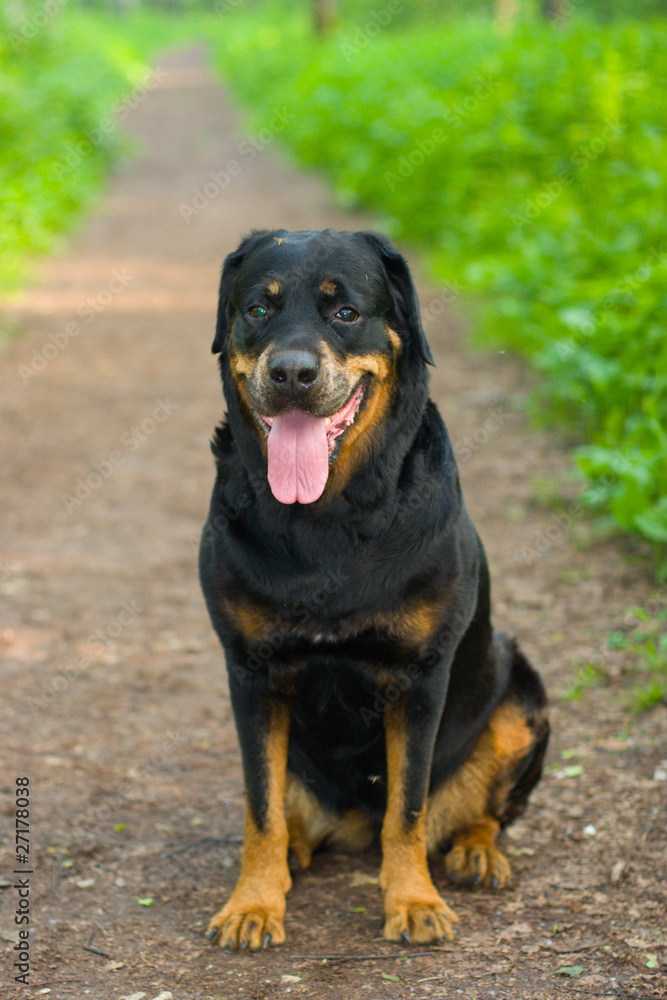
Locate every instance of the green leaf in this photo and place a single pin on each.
(388, 975)
(570, 970)
(653, 522)
(578, 318)
(145, 900)
(573, 771)
(651, 961)
(617, 640)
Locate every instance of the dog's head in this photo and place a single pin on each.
(313, 327)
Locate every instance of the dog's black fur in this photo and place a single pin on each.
(327, 576)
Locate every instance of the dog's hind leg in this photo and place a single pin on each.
(466, 813)
(310, 824)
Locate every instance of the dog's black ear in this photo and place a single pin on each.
(229, 271)
(403, 293)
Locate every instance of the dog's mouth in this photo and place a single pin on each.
(300, 448)
(335, 425)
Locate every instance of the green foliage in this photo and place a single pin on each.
(586, 677)
(63, 74)
(643, 643)
(531, 166)
(411, 11)
(647, 644)
(407, 12)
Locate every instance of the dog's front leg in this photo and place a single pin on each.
(253, 915)
(413, 908)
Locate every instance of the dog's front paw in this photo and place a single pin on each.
(421, 918)
(248, 922)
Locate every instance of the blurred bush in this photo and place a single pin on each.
(530, 165)
(63, 77)
(413, 11)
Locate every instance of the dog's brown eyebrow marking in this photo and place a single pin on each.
(328, 287)
(274, 287)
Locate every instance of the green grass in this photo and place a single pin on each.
(61, 84)
(586, 677)
(646, 644)
(643, 643)
(530, 168)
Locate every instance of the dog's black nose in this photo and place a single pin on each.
(293, 372)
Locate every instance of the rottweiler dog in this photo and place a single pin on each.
(350, 592)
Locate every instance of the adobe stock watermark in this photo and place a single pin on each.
(98, 641)
(561, 12)
(587, 324)
(222, 7)
(6, 570)
(87, 311)
(117, 799)
(413, 504)
(31, 25)
(580, 160)
(403, 680)
(261, 653)
(363, 34)
(603, 654)
(454, 117)
(132, 439)
(77, 151)
(246, 152)
(437, 305)
(258, 484)
(465, 447)
(560, 525)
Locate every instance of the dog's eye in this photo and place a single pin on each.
(257, 312)
(347, 315)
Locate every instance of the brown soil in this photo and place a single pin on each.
(131, 750)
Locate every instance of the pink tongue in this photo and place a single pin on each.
(298, 457)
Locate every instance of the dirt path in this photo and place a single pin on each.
(114, 692)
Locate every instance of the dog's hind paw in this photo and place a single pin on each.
(475, 858)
